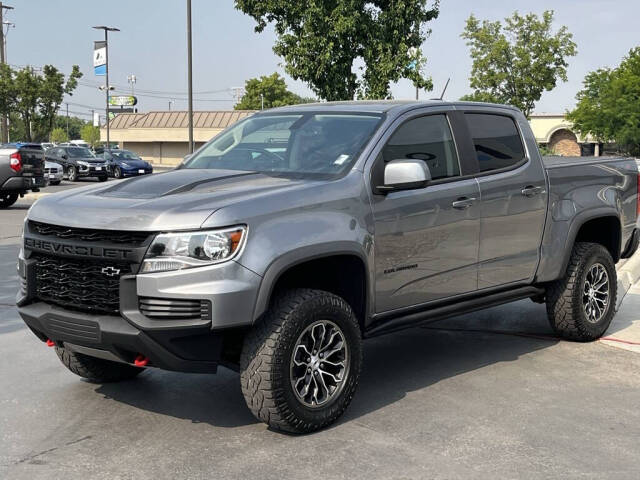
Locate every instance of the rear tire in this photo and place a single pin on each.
(8, 199)
(582, 304)
(281, 385)
(95, 369)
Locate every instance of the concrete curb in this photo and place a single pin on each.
(624, 332)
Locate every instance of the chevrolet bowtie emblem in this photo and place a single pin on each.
(110, 271)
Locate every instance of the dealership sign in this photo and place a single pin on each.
(100, 57)
(122, 100)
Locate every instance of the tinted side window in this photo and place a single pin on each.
(496, 140)
(425, 138)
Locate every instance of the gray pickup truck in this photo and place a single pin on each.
(21, 171)
(300, 231)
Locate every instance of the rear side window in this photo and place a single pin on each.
(496, 141)
(425, 138)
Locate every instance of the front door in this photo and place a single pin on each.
(426, 239)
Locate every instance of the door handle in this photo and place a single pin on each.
(530, 191)
(463, 203)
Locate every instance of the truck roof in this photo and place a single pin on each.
(380, 106)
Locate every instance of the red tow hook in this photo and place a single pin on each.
(141, 361)
(50, 343)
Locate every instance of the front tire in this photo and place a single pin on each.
(300, 365)
(95, 369)
(117, 173)
(8, 199)
(102, 178)
(582, 304)
(72, 174)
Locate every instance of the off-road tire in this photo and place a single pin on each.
(564, 296)
(266, 356)
(96, 369)
(72, 174)
(8, 199)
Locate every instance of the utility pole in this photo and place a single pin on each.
(68, 121)
(189, 76)
(4, 125)
(107, 89)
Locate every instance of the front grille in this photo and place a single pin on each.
(51, 170)
(88, 286)
(175, 309)
(89, 235)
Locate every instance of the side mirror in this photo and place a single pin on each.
(405, 174)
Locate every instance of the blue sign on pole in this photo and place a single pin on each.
(100, 70)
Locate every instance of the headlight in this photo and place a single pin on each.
(176, 251)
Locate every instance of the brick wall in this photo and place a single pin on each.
(565, 143)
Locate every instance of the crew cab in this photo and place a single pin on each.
(21, 171)
(288, 239)
(78, 162)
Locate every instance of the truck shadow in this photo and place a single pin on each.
(394, 365)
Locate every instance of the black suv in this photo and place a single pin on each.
(78, 162)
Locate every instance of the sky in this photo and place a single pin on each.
(227, 51)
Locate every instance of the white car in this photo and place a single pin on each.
(53, 172)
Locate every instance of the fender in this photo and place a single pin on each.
(311, 252)
(578, 222)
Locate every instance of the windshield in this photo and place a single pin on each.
(294, 143)
(125, 155)
(79, 152)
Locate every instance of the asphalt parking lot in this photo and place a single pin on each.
(485, 395)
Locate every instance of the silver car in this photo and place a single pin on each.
(53, 173)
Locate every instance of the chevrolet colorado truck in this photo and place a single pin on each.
(300, 231)
(21, 170)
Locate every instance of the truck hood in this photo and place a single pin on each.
(174, 200)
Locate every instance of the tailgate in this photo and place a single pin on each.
(32, 161)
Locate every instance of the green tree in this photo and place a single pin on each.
(90, 134)
(272, 89)
(7, 89)
(53, 87)
(58, 135)
(74, 125)
(320, 40)
(517, 62)
(608, 106)
(27, 89)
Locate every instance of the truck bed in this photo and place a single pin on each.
(557, 161)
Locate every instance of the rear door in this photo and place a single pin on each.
(513, 198)
(426, 239)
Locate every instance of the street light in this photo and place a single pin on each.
(4, 124)
(106, 50)
(189, 76)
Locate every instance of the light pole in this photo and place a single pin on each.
(106, 50)
(4, 136)
(170, 102)
(189, 76)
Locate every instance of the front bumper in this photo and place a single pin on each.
(186, 345)
(132, 172)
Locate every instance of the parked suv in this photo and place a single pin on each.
(300, 231)
(78, 162)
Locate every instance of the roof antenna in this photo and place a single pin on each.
(444, 89)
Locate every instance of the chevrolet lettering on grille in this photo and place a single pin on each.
(80, 250)
(110, 271)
